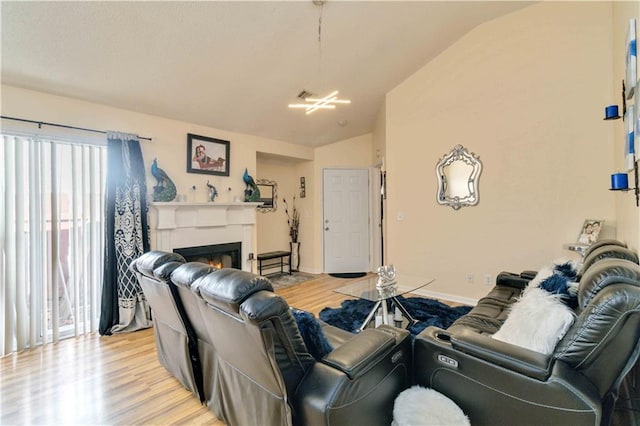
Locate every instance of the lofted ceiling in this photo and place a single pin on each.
(234, 65)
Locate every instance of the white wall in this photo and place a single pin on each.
(278, 160)
(273, 232)
(526, 92)
(168, 145)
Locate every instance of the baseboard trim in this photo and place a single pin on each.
(445, 296)
(310, 271)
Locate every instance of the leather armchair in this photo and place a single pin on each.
(498, 383)
(266, 375)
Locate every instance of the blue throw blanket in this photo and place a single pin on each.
(427, 312)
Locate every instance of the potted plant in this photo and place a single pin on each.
(293, 221)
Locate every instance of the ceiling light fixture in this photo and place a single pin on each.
(328, 102)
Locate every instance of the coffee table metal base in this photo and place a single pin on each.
(373, 290)
(385, 314)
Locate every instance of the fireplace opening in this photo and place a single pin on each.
(225, 255)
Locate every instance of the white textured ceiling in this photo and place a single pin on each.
(233, 65)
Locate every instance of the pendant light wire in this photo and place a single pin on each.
(321, 4)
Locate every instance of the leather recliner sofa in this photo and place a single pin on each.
(256, 368)
(491, 311)
(498, 383)
(230, 340)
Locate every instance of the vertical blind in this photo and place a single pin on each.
(51, 224)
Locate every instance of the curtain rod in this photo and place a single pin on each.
(41, 123)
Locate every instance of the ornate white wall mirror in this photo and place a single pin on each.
(268, 195)
(458, 175)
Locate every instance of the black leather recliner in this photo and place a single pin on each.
(183, 343)
(266, 375)
(496, 383)
(176, 342)
(231, 340)
(491, 311)
(181, 278)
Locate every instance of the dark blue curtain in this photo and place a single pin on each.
(124, 307)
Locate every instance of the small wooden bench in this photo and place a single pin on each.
(274, 259)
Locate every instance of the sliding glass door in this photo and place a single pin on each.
(51, 224)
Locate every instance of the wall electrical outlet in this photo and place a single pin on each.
(470, 278)
(487, 279)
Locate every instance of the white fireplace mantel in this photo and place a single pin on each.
(182, 224)
(173, 215)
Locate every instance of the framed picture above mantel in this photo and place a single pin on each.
(207, 156)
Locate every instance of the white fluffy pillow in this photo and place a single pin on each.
(547, 270)
(418, 406)
(537, 321)
(543, 273)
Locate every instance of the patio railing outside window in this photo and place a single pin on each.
(51, 224)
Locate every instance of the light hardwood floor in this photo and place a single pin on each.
(116, 380)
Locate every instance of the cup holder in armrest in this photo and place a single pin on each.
(445, 337)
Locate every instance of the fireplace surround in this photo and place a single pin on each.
(225, 255)
(179, 225)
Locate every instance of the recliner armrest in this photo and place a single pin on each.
(357, 383)
(521, 360)
(509, 279)
(362, 352)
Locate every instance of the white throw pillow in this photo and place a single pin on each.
(418, 406)
(543, 273)
(547, 270)
(537, 321)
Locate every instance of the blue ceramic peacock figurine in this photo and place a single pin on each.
(251, 193)
(165, 190)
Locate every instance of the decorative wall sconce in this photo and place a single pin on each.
(620, 182)
(303, 188)
(611, 112)
(630, 116)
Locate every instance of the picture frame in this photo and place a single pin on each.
(629, 138)
(631, 60)
(209, 156)
(637, 117)
(590, 231)
(303, 187)
(268, 195)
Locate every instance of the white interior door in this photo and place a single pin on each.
(346, 220)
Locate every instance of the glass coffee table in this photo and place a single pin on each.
(367, 289)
